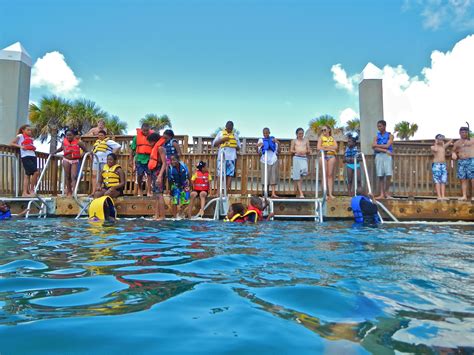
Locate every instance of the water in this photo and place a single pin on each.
(207, 287)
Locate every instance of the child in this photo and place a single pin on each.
(328, 145)
(171, 145)
(236, 213)
(112, 179)
(351, 158)
(5, 212)
(72, 155)
(178, 178)
(141, 150)
(269, 145)
(300, 150)
(440, 172)
(24, 141)
(157, 166)
(103, 146)
(201, 180)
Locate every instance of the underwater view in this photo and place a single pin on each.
(140, 286)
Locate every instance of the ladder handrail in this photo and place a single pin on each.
(265, 180)
(17, 168)
(369, 187)
(323, 166)
(79, 175)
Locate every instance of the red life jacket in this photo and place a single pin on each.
(71, 149)
(28, 143)
(202, 181)
(155, 160)
(143, 146)
(258, 211)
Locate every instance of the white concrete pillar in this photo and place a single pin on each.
(15, 72)
(370, 106)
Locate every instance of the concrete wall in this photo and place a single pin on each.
(14, 97)
(371, 111)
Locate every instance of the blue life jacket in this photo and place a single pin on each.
(358, 215)
(383, 139)
(5, 215)
(170, 148)
(178, 176)
(268, 144)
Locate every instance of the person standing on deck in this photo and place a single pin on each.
(383, 147)
(269, 145)
(94, 131)
(300, 149)
(102, 147)
(141, 150)
(228, 142)
(463, 152)
(328, 145)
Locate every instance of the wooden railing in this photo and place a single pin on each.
(412, 173)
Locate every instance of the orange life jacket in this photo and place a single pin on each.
(28, 143)
(143, 146)
(155, 159)
(201, 183)
(258, 211)
(72, 149)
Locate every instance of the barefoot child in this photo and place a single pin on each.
(440, 172)
(24, 141)
(352, 163)
(141, 151)
(178, 178)
(201, 180)
(72, 155)
(157, 166)
(269, 145)
(300, 150)
(103, 146)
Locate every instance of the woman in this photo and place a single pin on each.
(328, 145)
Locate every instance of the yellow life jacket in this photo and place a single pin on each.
(232, 142)
(97, 209)
(328, 142)
(243, 218)
(110, 175)
(101, 146)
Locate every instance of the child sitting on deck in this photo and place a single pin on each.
(351, 158)
(438, 168)
(201, 184)
(24, 140)
(112, 179)
(178, 178)
(72, 155)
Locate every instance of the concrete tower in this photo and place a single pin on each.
(15, 72)
(370, 106)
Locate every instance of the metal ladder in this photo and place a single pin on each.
(83, 205)
(38, 201)
(319, 203)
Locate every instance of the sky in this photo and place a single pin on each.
(276, 63)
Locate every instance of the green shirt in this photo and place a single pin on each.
(140, 158)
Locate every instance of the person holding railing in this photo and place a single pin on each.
(25, 142)
(228, 142)
(383, 147)
(328, 145)
(268, 147)
(71, 147)
(300, 149)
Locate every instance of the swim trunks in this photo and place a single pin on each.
(466, 168)
(440, 173)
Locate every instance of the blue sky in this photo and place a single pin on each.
(259, 63)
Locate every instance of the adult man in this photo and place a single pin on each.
(228, 143)
(383, 149)
(94, 131)
(463, 152)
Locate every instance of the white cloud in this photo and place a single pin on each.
(346, 115)
(342, 80)
(53, 73)
(436, 13)
(440, 99)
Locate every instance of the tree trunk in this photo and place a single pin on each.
(53, 144)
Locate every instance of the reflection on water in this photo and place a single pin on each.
(69, 286)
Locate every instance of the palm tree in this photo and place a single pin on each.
(353, 125)
(405, 130)
(49, 118)
(114, 126)
(84, 114)
(156, 122)
(324, 120)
